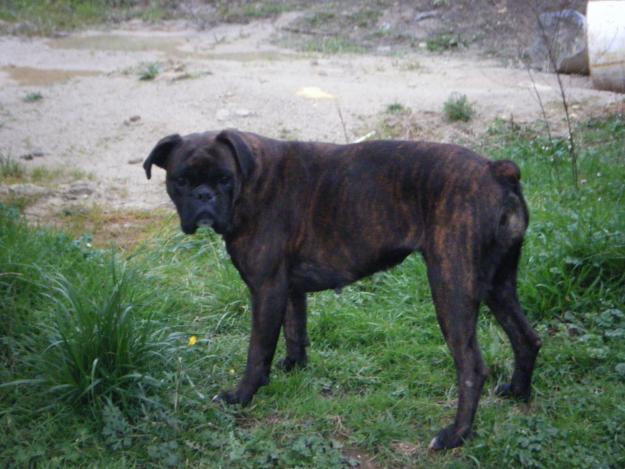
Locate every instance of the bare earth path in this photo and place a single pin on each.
(97, 116)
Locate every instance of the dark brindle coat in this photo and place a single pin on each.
(300, 217)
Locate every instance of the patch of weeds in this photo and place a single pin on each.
(264, 9)
(52, 176)
(319, 18)
(43, 174)
(366, 18)
(458, 108)
(154, 12)
(116, 430)
(21, 202)
(330, 27)
(32, 97)
(149, 71)
(395, 108)
(397, 122)
(80, 175)
(241, 11)
(11, 170)
(411, 66)
(444, 42)
(333, 45)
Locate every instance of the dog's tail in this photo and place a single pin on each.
(513, 217)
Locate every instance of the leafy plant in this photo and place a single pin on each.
(116, 430)
(149, 71)
(33, 97)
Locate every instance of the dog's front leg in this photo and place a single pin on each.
(269, 300)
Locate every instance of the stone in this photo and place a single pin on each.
(79, 190)
(424, 15)
(31, 155)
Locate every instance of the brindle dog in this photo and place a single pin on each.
(300, 217)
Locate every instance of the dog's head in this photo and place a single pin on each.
(205, 175)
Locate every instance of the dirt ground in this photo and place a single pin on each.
(98, 120)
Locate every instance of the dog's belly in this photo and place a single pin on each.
(310, 275)
(307, 276)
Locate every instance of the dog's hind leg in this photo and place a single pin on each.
(503, 302)
(452, 279)
(295, 334)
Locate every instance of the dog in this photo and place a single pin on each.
(300, 217)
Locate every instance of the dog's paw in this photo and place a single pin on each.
(448, 438)
(232, 398)
(507, 390)
(289, 364)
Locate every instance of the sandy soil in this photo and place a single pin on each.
(97, 116)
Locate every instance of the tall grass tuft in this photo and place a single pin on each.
(458, 108)
(75, 321)
(98, 344)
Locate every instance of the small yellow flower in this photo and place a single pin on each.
(232, 371)
(192, 340)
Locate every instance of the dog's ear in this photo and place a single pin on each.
(160, 154)
(241, 150)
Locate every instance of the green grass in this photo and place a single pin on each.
(380, 381)
(48, 16)
(45, 16)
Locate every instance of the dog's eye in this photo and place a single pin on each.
(224, 179)
(180, 181)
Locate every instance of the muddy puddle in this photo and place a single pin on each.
(183, 47)
(30, 76)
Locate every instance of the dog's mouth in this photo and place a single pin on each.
(205, 222)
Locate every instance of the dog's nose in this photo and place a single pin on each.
(203, 194)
